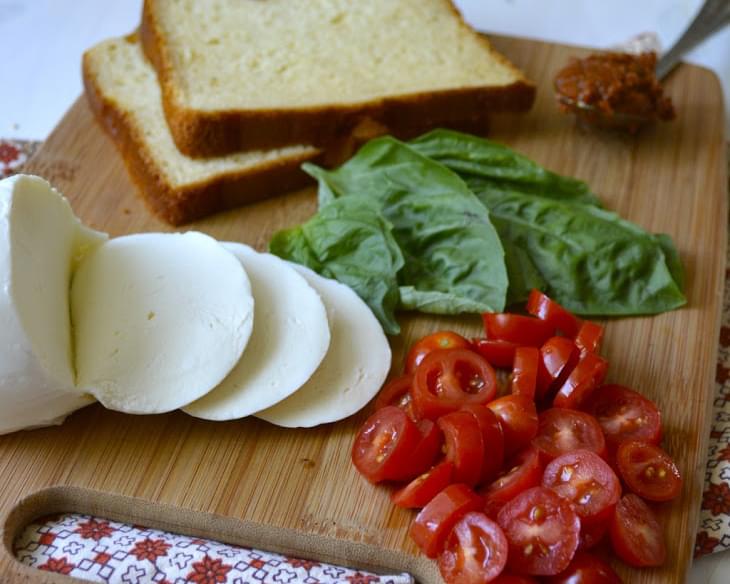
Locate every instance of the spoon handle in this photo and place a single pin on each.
(713, 15)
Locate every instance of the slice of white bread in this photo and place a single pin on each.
(245, 74)
(123, 92)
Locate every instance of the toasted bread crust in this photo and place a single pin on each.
(179, 205)
(201, 134)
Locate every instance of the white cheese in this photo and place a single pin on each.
(159, 320)
(353, 370)
(40, 242)
(290, 338)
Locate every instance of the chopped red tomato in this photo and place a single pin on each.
(636, 535)
(543, 307)
(515, 328)
(435, 521)
(464, 446)
(384, 444)
(524, 372)
(523, 471)
(588, 374)
(425, 487)
(438, 340)
(518, 418)
(592, 534)
(397, 392)
(648, 471)
(493, 441)
(427, 450)
(585, 479)
(498, 353)
(586, 569)
(542, 530)
(562, 430)
(475, 551)
(447, 379)
(624, 414)
(513, 579)
(589, 336)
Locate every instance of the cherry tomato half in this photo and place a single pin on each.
(513, 579)
(648, 471)
(562, 430)
(447, 379)
(558, 357)
(397, 393)
(543, 307)
(464, 446)
(624, 414)
(586, 569)
(542, 530)
(427, 450)
(526, 331)
(518, 418)
(591, 534)
(425, 487)
(524, 372)
(524, 471)
(493, 441)
(384, 444)
(498, 353)
(438, 340)
(636, 535)
(475, 551)
(585, 479)
(588, 374)
(434, 522)
(589, 337)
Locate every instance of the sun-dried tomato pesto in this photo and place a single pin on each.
(613, 89)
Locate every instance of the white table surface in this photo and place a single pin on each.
(41, 42)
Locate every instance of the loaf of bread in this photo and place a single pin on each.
(251, 74)
(123, 92)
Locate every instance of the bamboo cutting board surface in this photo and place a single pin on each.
(251, 483)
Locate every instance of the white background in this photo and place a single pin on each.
(41, 42)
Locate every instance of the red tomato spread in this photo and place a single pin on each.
(613, 89)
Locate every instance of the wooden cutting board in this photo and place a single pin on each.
(251, 483)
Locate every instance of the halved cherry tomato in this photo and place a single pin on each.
(558, 357)
(427, 450)
(543, 307)
(498, 353)
(586, 569)
(542, 530)
(648, 471)
(588, 374)
(475, 551)
(624, 414)
(513, 579)
(591, 534)
(493, 441)
(384, 444)
(397, 393)
(589, 336)
(425, 487)
(524, 372)
(518, 418)
(438, 340)
(464, 446)
(515, 328)
(447, 379)
(636, 535)
(563, 430)
(585, 479)
(433, 524)
(524, 471)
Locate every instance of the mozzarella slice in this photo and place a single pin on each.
(159, 320)
(40, 241)
(290, 338)
(353, 370)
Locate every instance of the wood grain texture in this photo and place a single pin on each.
(295, 490)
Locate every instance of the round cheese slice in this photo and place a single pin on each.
(290, 338)
(353, 370)
(40, 242)
(159, 320)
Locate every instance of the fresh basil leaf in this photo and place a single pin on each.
(454, 261)
(350, 241)
(522, 273)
